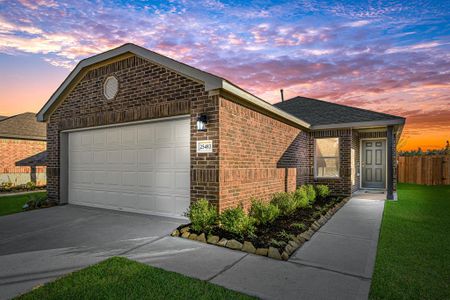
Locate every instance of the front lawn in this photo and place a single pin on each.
(413, 259)
(13, 204)
(121, 278)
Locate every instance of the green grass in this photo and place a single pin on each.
(13, 204)
(413, 259)
(120, 278)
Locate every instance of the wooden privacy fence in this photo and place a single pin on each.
(429, 170)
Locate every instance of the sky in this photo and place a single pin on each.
(389, 56)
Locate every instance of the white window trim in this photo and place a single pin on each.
(339, 159)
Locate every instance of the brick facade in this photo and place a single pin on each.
(15, 150)
(147, 91)
(254, 155)
(258, 155)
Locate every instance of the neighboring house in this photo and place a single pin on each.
(133, 130)
(22, 150)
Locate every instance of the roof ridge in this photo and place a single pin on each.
(343, 105)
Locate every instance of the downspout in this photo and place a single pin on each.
(390, 163)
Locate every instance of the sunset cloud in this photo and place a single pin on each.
(388, 57)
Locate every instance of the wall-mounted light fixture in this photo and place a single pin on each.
(202, 120)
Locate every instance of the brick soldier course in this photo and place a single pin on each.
(258, 149)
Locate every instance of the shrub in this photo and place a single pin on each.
(30, 185)
(36, 201)
(285, 202)
(203, 215)
(322, 191)
(300, 226)
(301, 198)
(6, 186)
(234, 220)
(283, 235)
(310, 192)
(263, 213)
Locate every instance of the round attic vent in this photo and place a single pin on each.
(111, 87)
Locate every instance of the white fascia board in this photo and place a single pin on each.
(367, 124)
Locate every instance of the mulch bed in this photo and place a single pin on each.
(282, 232)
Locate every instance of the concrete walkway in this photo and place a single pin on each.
(337, 263)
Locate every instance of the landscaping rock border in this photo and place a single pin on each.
(272, 252)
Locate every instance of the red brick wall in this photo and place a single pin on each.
(147, 91)
(343, 184)
(14, 150)
(258, 155)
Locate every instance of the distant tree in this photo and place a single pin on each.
(443, 151)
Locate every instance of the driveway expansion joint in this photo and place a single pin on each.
(226, 268)
(305, 264)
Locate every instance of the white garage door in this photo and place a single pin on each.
(142, 168)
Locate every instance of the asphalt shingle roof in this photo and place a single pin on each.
(319, 112)
(23, 126)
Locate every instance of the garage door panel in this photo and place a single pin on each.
(113, 136)
(163, 133)
(130, 179)
(142, 167)
(182, 159)
(146, 181)
(129, 136)
(99, 139)
(164, 157)
(114, 157)
(98, 157)
(129, 157)
(182, 181)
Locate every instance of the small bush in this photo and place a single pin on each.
(283, 235)
(301, 198)
(322, 191)
(310, 192)
(299, 226)
(263, 213)
(30, 185)
(277, 244)
(203, 215)
(285, 202)
(6, 186)
(234, 220)
(36, 201)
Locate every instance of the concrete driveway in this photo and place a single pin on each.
(38, 246)
(337, 263)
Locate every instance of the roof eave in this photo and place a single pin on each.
(22, 137)
(366, 124)
(210, 81)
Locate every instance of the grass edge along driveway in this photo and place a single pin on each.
(121, 278)
(13, 204)
(413, 258)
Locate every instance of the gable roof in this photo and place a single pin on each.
(23, 126)
(211, 82)
(322, 114)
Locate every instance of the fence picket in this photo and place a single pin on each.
(428, 170)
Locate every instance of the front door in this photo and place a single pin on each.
(373, 164)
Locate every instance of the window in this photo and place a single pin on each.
(326, 158)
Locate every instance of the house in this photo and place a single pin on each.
(133, 130)
(22, 150)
